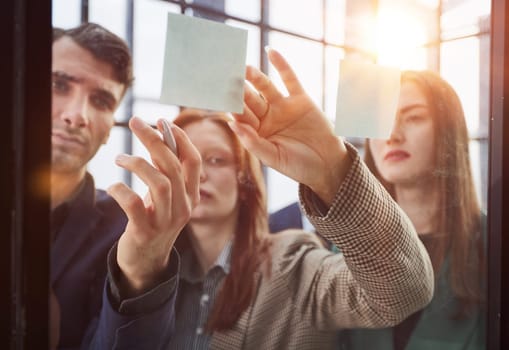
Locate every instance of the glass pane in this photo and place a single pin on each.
(333, 56)
(151, 111)
(461, 18)
(463, 77)
(102, 166)
(66, 13)
(100, 12)
(335, 21)
(253, 41)
(299, 16)
(281, 190)
(248, 9)
(149, 42)
(305, 57)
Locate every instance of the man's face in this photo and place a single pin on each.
(84, 97)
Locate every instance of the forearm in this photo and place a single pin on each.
(378, 241)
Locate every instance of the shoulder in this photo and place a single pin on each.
(290, 246)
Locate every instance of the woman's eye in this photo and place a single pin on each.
(413, 118)
(215, 160)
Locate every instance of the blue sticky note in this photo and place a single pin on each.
(367, 99)
(204, 64)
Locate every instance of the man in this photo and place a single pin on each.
(91, 71)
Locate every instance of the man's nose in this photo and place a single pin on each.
(75, 113)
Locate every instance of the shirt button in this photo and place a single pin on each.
(199, 330)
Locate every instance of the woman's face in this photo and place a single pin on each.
(408, 157)
(218, 178)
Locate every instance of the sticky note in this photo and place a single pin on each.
(367, 99)
(204, 64)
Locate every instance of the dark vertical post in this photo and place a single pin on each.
(28, 155)
(498, 196)
(6, 171)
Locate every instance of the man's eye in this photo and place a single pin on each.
(60, 85)
(101, 103)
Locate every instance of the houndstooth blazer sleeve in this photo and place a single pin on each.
(389, 274)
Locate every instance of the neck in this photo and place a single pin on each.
(64, 186)
(420, 203)
(209, 238)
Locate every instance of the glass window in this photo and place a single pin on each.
(461, 18)
(335, 21)
(306, 58)
(149, 42)
(99, 11)
(333, 56)
(66, 13)
(253, 41)
(152, 110)
(298, 16)
(246, 9)
(102, 166)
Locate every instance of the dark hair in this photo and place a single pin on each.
(459, 220)
(104, 46)
(250, 246)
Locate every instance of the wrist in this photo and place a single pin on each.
(338, 163)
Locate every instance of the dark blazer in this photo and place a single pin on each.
(285, 218)
(78, 260)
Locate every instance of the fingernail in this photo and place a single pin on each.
(121, 158)
(235, 128)
(267, 48)
(137, 123)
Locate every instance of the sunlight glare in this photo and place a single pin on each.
(398, 37)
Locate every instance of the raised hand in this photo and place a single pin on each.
(290, 133)
(155, 222)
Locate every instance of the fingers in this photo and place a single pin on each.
(259, 146)
(285, 72)
(248, 117)
(130, 203)
(191, 164)
(263, 84)
(257, 105)
(160, 188)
